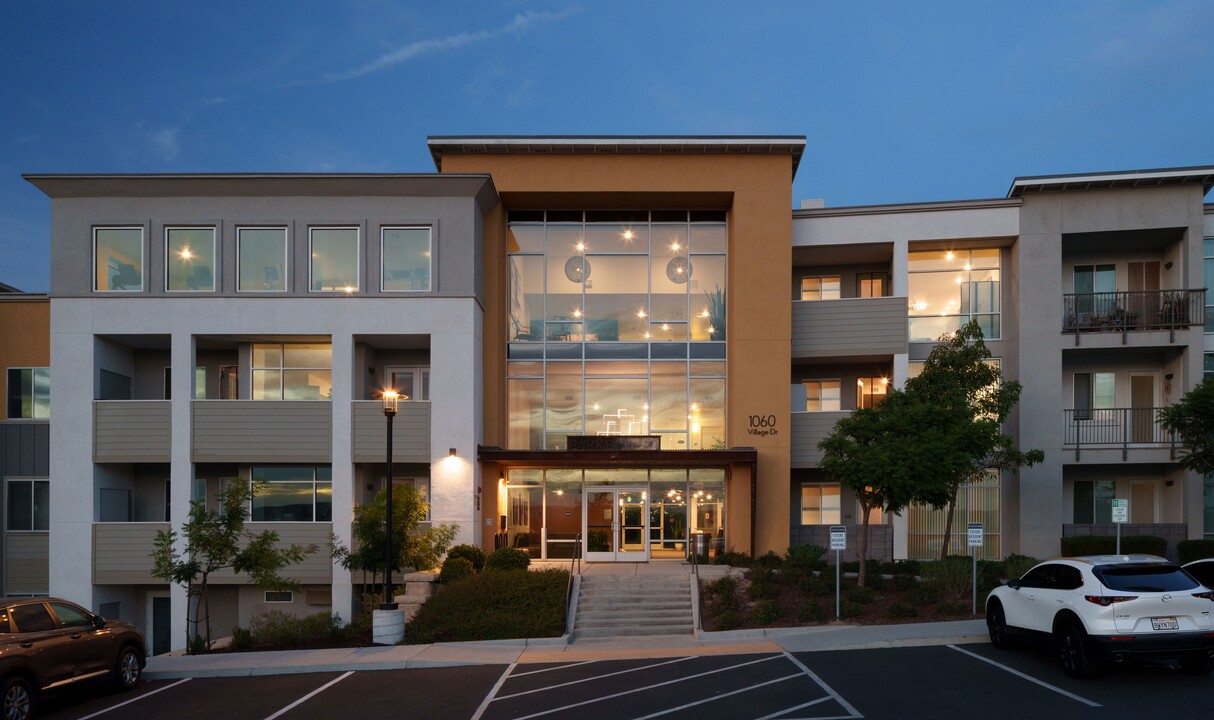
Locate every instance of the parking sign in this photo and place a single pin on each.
(838, 537)
(1121, 510)
(973, 534)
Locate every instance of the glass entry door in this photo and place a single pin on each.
(616, 524)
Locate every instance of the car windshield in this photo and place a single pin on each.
(1144, 578)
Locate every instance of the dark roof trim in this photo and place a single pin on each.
(793, 145)
(616, 458)
(900, 208)
(476, 185)
(1193, 175)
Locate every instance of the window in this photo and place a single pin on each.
(200, 383)
(28, 504)
(71, 616)
(334, 259)
(820, 288)
(1093, 501)
(1208, 369)
(31, 618)
(1095, 288)
(29, 393)
(1208, 252)
(948, 288)
(420, 485)
(118, 259)
(406, 259)
(821, 395)
(870, 391)
(293, 494)
(1094, 391)
(820, 504)
(977, 501)
(293, 371)
(189, 259)
(870, 285)
(279, 596)
(413, 383)
(261, 259)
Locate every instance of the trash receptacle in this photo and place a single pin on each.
(699, 544)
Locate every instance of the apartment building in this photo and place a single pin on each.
(624, 344)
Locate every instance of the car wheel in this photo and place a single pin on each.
(127, 671)
(18, 699)
(996, 625)
(1197, 665)
(1072, 642)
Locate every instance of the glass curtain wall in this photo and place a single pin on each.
(617, 326)
(948, 288)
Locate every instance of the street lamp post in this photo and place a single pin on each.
(390, 400)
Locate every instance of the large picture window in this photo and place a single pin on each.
(189, 259)
(821, 395)
(118, 259)
(293, 494)
(292, 371)
(334, 259)
(28, 505)
(406, 259)
(820, 504)
(948, 288)
(29, 393)
(261, 259)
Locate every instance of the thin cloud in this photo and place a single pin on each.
(166, 143)
(521, 23)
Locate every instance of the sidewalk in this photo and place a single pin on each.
(549, 650)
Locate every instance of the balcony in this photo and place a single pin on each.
(266, 431)
(849, 328)
(1128, 312)
(132, 430)
(410, 432)
(809, 429)
(1117, 429)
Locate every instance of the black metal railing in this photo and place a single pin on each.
(1115, 427)
(1126, 312)
(575, 561)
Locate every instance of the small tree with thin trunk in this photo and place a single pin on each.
(891, 455)
(217, 540)
(1192, 418)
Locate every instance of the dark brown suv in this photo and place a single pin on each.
(48, 644)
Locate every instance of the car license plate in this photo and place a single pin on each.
(1164, 623)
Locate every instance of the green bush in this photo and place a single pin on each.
(923, 595)
(767, 612)
(769, 560)
(733, 558)
(493, 606)
(723, 609)
(1190, 550)
(849, 610)
(904, 583)
(875, 582)
(1077, 545)
(471, 553)
(811, 612)
(860, 595)
(456, 568)
(1015, 566)
(285, 631)
(952, 607)
(950, 577)
(242, 639)
(898, 611)
(816, 584)
(905, 567)
(507, 559)
(762, 583)
(805, 558)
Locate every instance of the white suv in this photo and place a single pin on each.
(1107, 607)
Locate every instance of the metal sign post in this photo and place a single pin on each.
(973, 536)
(1121, 514)
(838, 543)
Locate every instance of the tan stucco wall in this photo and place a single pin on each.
(25, 339)
(757, 192)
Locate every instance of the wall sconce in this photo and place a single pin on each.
(1167, 265)
(450, 452)
(1168, 376)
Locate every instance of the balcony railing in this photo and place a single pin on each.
(1115, 427)
(1126, 312)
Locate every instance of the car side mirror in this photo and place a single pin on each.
(1013, 584)
(98, 622)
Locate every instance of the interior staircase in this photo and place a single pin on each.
(617, 605)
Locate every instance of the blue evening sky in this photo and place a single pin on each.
(900, 101)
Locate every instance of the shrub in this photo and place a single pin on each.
(811, 612)
(493, 606)
(1015, 566)
(805, 558)
(816, 584)
(242, 639)
(874, 582)
(860, 595)
(1076, 545)
(950, 577)
(924, 595)
(285, 631)
(507, 559)
(1189, 550)
(723, 609)
(769, 560)
(733, 559)
(899, 611)
(762, 583)
(904, 583)
(905, 567)
(767, 612)
(849, 610)
(471, 553)
(952, 607)
(456, 568)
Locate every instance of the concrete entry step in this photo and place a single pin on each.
(612, 605)
(634, 631)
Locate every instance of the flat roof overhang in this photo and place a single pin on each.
(615, 458)
(1159, 177)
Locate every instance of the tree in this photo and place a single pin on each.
(1192, 418)
(413, 546)
(891, 455)
(218, 540)
(957, 376)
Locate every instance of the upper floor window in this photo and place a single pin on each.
(407, 265)
(293, 494)
(333, 254)
(820, 504)
(261, 259)
(1094, 391)
(1208, 252)
(870, 391)
(292, 371)
(118, 259)
(413, 383)
(1208, 368)
(29, 505)
(948, 288)
(820, 288)
(189, 259)
(821, 395)
(29, 393)
(871, 285)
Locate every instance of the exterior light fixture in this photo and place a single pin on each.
(450, 452)
(391, 402)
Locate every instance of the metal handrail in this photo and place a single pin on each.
(577, 558)
(1132, 311)
(1112, 427)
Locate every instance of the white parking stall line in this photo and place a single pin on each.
(546, 688)
(802, 706)
(311, 695)
(558, 667)
(644, 688)
(1030, 678)
(137, 699)
(492, 692)
(714, 698)
(854, 713)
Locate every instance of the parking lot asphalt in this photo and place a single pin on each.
(944, 681)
